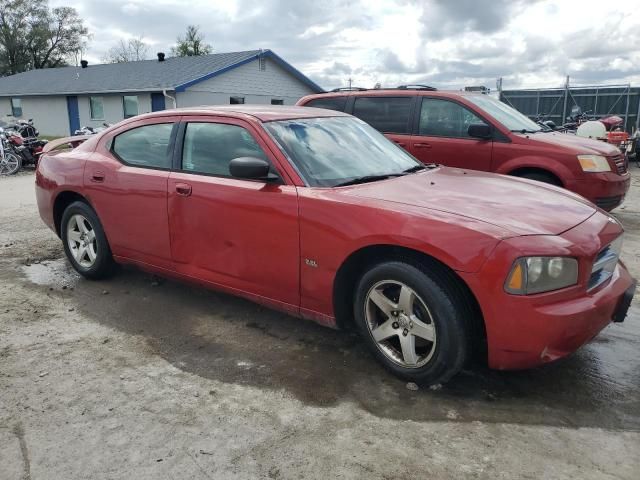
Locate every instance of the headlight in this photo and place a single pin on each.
(594, 163)
(541, 274)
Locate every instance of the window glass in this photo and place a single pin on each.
(319, 147)
(146, 146)
(236, 100)
(277, 101)
(96, 107)
(385, 114)
(130, 105)
(331, 103)
(442, 118)
(16, 107)
(509, 117)
(209, 147)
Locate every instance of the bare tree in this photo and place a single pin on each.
(130, 50)
(192, 44)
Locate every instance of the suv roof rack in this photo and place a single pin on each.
(349, 89)
(416, 87)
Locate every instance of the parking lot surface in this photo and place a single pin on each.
(138, 377)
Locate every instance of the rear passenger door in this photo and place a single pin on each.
(442, 136)
(389, 115)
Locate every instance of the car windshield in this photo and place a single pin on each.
(332, 151)
(507, 116)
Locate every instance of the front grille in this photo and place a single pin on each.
(605, 263)
(621, 163)
(609, 203)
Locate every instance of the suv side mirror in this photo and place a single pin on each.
(480, 130)
(251, 168)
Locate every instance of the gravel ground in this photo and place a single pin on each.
(142, 378)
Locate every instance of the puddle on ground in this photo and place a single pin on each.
(51, 273)
(228, 339)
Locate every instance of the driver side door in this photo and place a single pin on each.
(239, 234)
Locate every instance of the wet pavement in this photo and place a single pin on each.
(287, 368)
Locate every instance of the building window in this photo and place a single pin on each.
(96, 107)
(277, 101)
(236, 100)
(130, 105)
(16, 107)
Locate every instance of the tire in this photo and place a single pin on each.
(541, 177)
(10, 164)
(437, 311)
(85, 243)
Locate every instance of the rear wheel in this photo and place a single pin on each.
(10, 163)
(412, 321)
(84, 241)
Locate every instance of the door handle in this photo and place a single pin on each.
(422, 145)
(183, 189)
(398, 142)
(97, 177)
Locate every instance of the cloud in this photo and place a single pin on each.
(446, 43)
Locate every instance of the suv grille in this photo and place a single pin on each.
(605, 263)
(621, 163)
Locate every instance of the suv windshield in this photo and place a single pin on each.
(509, 117)
(333, 151)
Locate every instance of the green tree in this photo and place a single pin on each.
(34, 36)
(192, 44)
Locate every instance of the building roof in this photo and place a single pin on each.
(175, 73)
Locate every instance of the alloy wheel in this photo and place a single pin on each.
(82, 242)
(400, 323)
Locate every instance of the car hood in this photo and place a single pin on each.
(578, 145)
(523, 207)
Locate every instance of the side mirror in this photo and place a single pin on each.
(250, 168)
(480, 130)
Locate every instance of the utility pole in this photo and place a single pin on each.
(566, 98)
(350, 83)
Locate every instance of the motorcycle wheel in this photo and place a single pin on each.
(10, 164)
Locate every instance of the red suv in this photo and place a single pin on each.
(476, 131)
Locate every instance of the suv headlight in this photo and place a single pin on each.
(541, 274)
(594, 163)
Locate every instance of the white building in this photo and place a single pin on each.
(60, 100)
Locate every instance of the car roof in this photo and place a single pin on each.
(394, 92)
(263, 113)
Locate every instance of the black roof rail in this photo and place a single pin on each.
(349, 89)
(416, 87)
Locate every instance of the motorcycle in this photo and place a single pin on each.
(23, 137)
(10, 161)
(87, 130)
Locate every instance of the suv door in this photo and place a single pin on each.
(235, 233)
(441, 136)
(389, 115)
(126, 183)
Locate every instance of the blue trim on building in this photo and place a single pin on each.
(268, 54)
(74, 114)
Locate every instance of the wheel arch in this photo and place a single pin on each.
(522, 171)
(60, 204)
(354, 266)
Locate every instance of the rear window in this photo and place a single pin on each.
(330, 103)
(385, 114)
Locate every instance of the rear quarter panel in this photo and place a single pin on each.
(58, 172)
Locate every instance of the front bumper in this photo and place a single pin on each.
(527, 331)
(607, 190)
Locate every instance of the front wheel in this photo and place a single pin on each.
(10, 163)
(85, 243)
(412, 321)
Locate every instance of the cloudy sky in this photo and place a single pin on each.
(442, 43)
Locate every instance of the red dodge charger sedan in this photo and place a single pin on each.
(315, 213)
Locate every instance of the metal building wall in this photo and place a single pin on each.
(556, 103)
